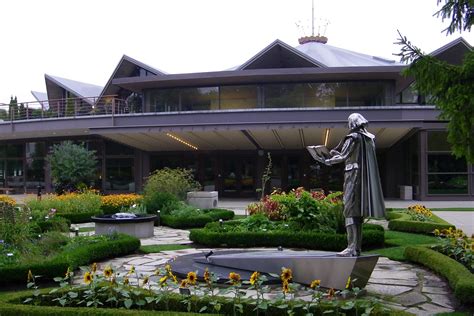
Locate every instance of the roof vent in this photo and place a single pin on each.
(313, 38)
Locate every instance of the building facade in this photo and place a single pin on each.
(223, 125)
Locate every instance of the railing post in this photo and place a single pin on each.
(75, 107)
(113, 111)
(27, 111)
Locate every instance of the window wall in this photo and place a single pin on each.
(12, 173)
(447, 175)
(284, 95)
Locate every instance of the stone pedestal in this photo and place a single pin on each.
(202, 199)
(406, 192)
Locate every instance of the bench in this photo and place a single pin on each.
(8, 190)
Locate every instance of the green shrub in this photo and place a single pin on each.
(105, 247)
(400, 221)
(290, 238)
(192, 218)
(163, 201)
(177, 181)
(459, 277)
(72, 166)
(77, 218)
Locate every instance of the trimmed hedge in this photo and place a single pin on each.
(207, 216)
(460, 278)
(400, 221)
(57, 266)
(76, 218)
(10, 304)
(372, 238)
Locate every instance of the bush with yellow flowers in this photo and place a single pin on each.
(419, 213)
(114, 203)
(457, 245)
(5, 199)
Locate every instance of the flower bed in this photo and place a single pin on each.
(114, 203)
(416, 219)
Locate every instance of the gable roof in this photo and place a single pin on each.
(84, 90)
(332, 56)
(453, 52)
(42, 98)
(125, 68)
(279, 55)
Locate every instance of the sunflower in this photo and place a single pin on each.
(331, 293)
(184, 283)
(254, 277)
(168, 268)
(234, 278)
(315, 284)
(207, 275)
(68, 273)
(132, 269)
(94, 267)
(108, 271)
(163, 280)
(191, 278)
(30, 278)
(145, 280)
(126, 281)
(88, 277)
(175, 279)
(286, 287)
(286, 274)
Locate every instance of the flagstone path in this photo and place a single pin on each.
(398, 285)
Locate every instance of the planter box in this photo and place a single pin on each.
(202, 199)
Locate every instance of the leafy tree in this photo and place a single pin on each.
(450, 86)
(13, 108)
(72, 166)
(177, 182)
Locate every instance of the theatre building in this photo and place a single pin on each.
(223, 124)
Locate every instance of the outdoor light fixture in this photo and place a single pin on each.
(326, 136)
(181, 141)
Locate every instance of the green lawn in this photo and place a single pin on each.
(86, 229)
(396, 242)
(457, 209)
(159, 248)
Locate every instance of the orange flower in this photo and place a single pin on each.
(286, 274)
(234, 278)
(191, 278)
(88, 277)
(254, 277)
(315, 284)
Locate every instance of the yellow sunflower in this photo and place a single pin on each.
(132, 270)
(254, 277)
(145, 280)
(331, 293)
(234, 278)
(315, 284)
(191, 278)
(68, 273)
(108, 271)
(126, 281)
(286, 274)
(184, 283)
(163, 280)
(88, 277)
(168, 268)
(94, 267)
(30, 277)
(207, 275)
(286, 287)
(175, 279)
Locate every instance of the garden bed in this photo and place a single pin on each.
(400, 221)
(114, 246)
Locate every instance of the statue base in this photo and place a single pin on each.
(333, 271)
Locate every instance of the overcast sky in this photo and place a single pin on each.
(84, 40)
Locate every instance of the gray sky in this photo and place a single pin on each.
(84, 40)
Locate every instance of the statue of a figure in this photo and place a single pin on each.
(362, 190)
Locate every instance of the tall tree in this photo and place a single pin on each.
(451, 87)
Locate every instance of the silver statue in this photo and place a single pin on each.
(362, 190)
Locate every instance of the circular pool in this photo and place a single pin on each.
(140, 226)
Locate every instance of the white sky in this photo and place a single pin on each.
(84, 40)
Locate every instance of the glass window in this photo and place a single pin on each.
(276, 175)
(16, 151)
(446, 163)
(120, 175)
(410, 95)
(238, 97)
(293, 173)
(34, 173)
(14, 173)
(116, 149)
(35, 150)
(447, 184)
(197, 99)
(319, 94)
(163, 100)
(437, 141)
(283, 96)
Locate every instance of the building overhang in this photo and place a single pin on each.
(254, 76)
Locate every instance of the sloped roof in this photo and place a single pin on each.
(279, 55)
(80, 89)
(42, 98)
(125, 68)
(453, 52)
(332, 56)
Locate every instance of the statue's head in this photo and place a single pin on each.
(355, 120)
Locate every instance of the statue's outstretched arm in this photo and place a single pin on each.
(344, 154)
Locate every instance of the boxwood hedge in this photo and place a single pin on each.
(400, 221)
(80, 217)
(194, 221)
(373, 237)
(460, 278)
(56, 266)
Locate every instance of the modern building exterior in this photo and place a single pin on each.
(224, 124)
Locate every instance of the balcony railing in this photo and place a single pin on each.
(70, 107)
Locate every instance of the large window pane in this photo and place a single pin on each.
(437, 141)
(116, 149)
(15, 176)
(283, 96)
(445, 163)
(447, 184)
(196, 99)
(120, 175)
(34, 173)
(238, 97)
(16, 151)
(163, 100)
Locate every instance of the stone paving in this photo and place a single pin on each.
(398, 285)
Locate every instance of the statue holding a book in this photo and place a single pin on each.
(362, 190)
